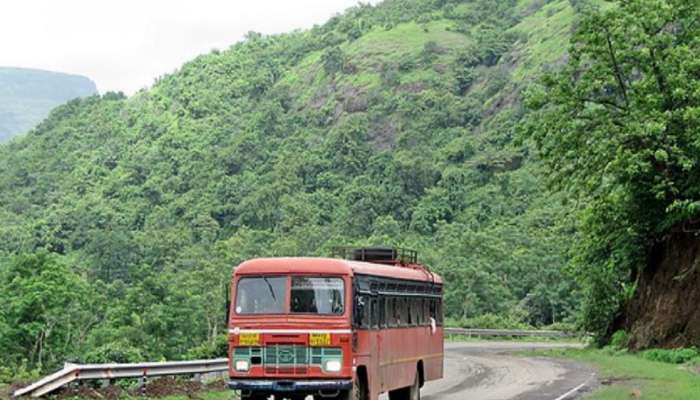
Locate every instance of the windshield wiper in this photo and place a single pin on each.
(272, 291)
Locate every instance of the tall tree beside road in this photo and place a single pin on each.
(619, 129)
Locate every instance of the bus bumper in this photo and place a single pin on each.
(289, 385)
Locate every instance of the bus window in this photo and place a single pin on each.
(264, 295)
(317, 295)
(389, 314)
(403, 305)
(366, 320)
(410, 314)
(415, 310)
(382, 312)
(375, 313)
(361, 313)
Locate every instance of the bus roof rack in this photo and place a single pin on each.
(378, 254)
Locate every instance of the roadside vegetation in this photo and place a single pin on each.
(654, 374)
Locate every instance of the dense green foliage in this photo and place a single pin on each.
(390, 124)
(618, 130)
(672, 356)
(27, 96)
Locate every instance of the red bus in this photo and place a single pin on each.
(335, 328)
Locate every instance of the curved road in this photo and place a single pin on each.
(491, 371)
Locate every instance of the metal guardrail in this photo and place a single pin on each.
(509, 333)
(76, 372)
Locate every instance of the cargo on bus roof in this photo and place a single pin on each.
(378, 254)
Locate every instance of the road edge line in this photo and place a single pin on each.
(577, 388)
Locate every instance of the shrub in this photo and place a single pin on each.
(208, 350)
(673, 356)
(560, 326)
(20, 373)
(491, 321)
(115, 352)
(619, 340)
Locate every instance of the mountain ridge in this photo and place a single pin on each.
(27, 95)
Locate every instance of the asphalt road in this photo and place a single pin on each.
(492, 371)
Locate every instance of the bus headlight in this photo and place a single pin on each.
(332, 366)
(241, 365)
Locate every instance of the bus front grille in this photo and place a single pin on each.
(287, 359)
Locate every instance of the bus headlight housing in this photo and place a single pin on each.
(241, 366)
(332, 366)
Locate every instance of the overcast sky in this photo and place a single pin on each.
(125, 44)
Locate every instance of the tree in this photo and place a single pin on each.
(45, 309)
(333, 60)
(618, 128)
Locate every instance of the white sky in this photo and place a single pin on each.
(125, 44)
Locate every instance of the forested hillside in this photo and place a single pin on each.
(121, 218)
(28, 95)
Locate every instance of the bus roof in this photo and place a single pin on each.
(314, 265)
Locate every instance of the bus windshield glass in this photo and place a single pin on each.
(264, 295)
(314, 295)
(309, 295)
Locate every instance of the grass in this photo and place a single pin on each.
(368, 53)
(628, 376)
(544, 37)
(408, 39)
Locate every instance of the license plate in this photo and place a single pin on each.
(249, 339)
(319, 339)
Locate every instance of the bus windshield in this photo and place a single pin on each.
(308, 295)
(317, 295)
(263, 295)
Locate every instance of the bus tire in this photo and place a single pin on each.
(407, 393)
(359, 389)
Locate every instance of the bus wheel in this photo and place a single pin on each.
(407, 393)
(359, 390)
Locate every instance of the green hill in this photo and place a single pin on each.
(388, 124)
(27, 96)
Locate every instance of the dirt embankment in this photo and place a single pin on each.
(665, 310)
(156, 388)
